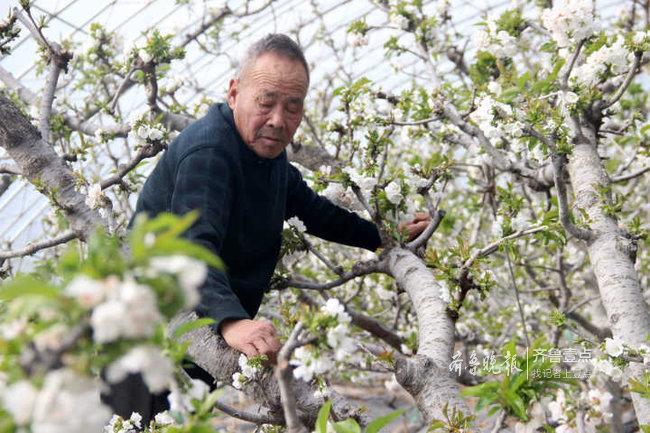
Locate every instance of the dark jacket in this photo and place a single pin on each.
(243, 200)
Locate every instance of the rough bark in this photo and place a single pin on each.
(612, 254)
(41, 165)
(426, 376)
(210, 352)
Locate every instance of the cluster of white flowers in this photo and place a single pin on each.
(598, 400)
(297, 224)
(606, 367)
(333, 307)
(56, 407)
(569, 21)
(148, 132)
(338, 338)
(613, 347)
(157, 370)
(357, 39)
(615, 56)
(485, 113)
(117, 424)
(142, 130)
(191, 273)
(248, 372)
(307, 364)
(130, 310)
(399, 21)
(497, 42)
(394, 192)
(164, 418)
(181, 401)
(340, 196)
(95, 197)
(365, 183)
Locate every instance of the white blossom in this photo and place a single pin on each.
(13, 329)
(358, 40)
(340, 196)
(394, 192)
(145, 56)
(191, 273)
(238, 379)
(307, 365)
(297, 224)
(51, 339)
(164, 418)
(569, 21)
(333, 307)
(131, 312)
(181, 401)
(399, 21)
(86, 291)
(69, 403)
(156, 369)
(339, 340)
(249, 371)
(616, 56)
(613, 347)
(599, 399)
(95, 196)
(18, 399)
(606, 367)
(154, 134)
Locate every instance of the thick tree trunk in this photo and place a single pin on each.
(426, 376)
(612, 254)
(210, 352)
(41, 165)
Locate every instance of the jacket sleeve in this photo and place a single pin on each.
(205, 182)
(325, 219)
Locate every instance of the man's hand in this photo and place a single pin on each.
(415, 227)
(252, 337)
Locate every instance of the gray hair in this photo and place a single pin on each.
(276, 43)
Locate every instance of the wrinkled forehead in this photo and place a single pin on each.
(275, 75)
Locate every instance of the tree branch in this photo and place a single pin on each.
(9, 169)
(34, 247)
(628, 80)
(283, 373)
(358, 270)
(42, 167)
(364, 322)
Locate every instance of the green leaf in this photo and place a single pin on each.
(378, 423)
(347, 426)
(183, 246)
(208, 403)
(435, 425)
(191, 326)
(323, 414)
(25, 285)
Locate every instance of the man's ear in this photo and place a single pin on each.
(232, 92)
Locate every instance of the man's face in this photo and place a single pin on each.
(267, 103)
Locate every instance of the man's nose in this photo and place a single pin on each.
(276, 118)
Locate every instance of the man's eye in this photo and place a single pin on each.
(294, 108)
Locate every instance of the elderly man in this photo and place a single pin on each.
(232, 166)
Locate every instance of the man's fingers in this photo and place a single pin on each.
(249, 350)
(268, 326)
(417, 228)
(274, 347)
(262, 347)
